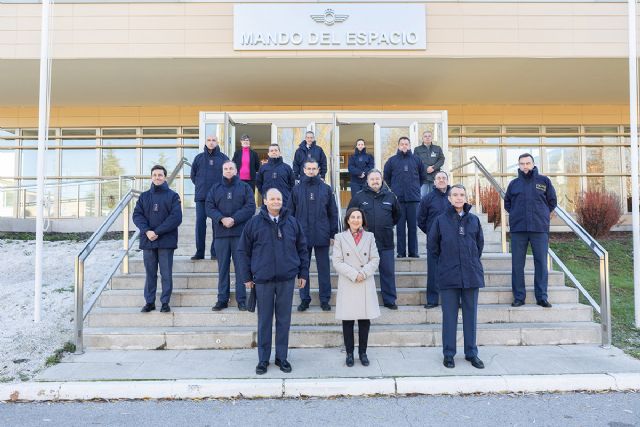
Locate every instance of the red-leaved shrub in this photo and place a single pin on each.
(598, 211)
(490, 200)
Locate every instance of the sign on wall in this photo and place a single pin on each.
(329, 26)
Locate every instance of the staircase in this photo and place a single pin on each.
(116, 322)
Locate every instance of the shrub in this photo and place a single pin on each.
(598, 211)
(490, 200)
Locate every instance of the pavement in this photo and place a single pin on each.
(321, 372)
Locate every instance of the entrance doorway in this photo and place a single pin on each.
(349, 133)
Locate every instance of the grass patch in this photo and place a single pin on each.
(56, 237)
(56, 357)
(584, 265)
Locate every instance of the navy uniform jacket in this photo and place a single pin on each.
(382, 212)
(431, 155)
(314, 207)
(158, 209)
(303, 153)
(457, 241)
(530, 199)
(275, 174)
(360, 162)
(254, 162)
(431, 206)
(206, 170)
(404, 173)
(230, 198)
(270, 252)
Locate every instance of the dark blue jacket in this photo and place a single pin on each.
(405, 173)
(382, 212)
(230, 198)
(272, 253)
(303, 153)
(431, 206)
(313, 205)
(360, 162)
(457, 241)
(275, 174)
(530, 199)
(206, 170)
(158, 209)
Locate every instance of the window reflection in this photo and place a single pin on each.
(562, 160)
(389, 137)
(289, 138)
(116, 162)
(79, 163)
(602, 159)
(511, 155)
(568, 188)
(489, 157)
(167, 157)
(29, 163)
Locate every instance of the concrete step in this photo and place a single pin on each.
(403, 280)
(423, 335)
(203, 316)
(406, 296)
(183, 264)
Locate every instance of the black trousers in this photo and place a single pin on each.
(363, 335)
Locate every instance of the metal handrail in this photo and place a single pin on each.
(63, 184)
(604, 309)
(122, 208)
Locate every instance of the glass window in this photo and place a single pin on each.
(602, 183)
(29, 163)
(559, 140)
(482, 129)
(511, 155)
(454, 130)
(6, 138)
(522, 140)
(8, 198)
(120, 136)
(288, 139)
(80, 137)
(601, 129)
(79, 163)
(167, 157)
(160, 140)
(78, 200)
(562, 160)
(454, 155)
(34, 133)
(8, 163)
(602, 159)
(389, 137)
(601, 140)
(484, 140)
(190, 154)
(489, 157)
(189, 193)
(323, 134)
(191, 131)
(116, 162)
(568, 188)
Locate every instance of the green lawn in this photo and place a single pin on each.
(584, 265)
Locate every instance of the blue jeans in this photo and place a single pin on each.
(270, 297)
(426, 188)
(153, 258)
(540, 248)
(408, 219)
(201, 231)
(450, 300)
(324, 275)
(226, 248)
(387, 267)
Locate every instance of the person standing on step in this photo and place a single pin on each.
(158, 214)
(314, 207)
(272, 252)
(360, 163)
(206, 170)
(230, 204)
(247, 162)
(457, 240)
(355, 258)
(432, 205)
(275, 174)
(382, 211)
(530, 199)
(404, 172)
(309, 149)
(432, 159)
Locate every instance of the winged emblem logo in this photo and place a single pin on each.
(329, 17)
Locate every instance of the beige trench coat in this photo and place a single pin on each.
(356, 300)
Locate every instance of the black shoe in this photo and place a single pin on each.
(219, 306)
(364, 359)
(242, 306)
(401, 256)
(517, 303)
(261, 369)
(325, 306)
(544, 303)
(391, 306)
(475, 362)
(414, 256)
(148, 307)
(448, 362)
(165, 308)
(303, 306)
(213, 257)
(284, 365)
(349, 360)
(196, 257)
(429, 305)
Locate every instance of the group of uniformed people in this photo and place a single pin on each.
(271, 251)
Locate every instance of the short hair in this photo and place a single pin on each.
(427, 131)
(523, 155)
(460, 186)
(244, 136)
(310, 160)
(228, 161)
(360, 139)
(404, 137)
(266, 194)
(274, 145)
(374, 170)
(309, 132)
(348, 214)
(159, 167)
(445, 174)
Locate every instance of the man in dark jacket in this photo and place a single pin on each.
(530, 199)
(308, 150)
(273, 251)
(432, 159)
(360, 163)
(230, 204)
(404, 172)
(275, 174)
(158, 215)
(247, 162)
(382, 211)
(206, 170)
(432, 205)
(457, 240)
(314, 207)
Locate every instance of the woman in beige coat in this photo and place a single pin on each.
(355, 258)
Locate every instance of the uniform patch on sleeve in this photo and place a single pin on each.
(541, 187)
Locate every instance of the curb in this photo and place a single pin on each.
(324, 387)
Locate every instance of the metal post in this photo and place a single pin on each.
(77, 200)
(79, 306)
(503, 226)
(605, 301)
(477, 190)
(120, 187)
(125, 239)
